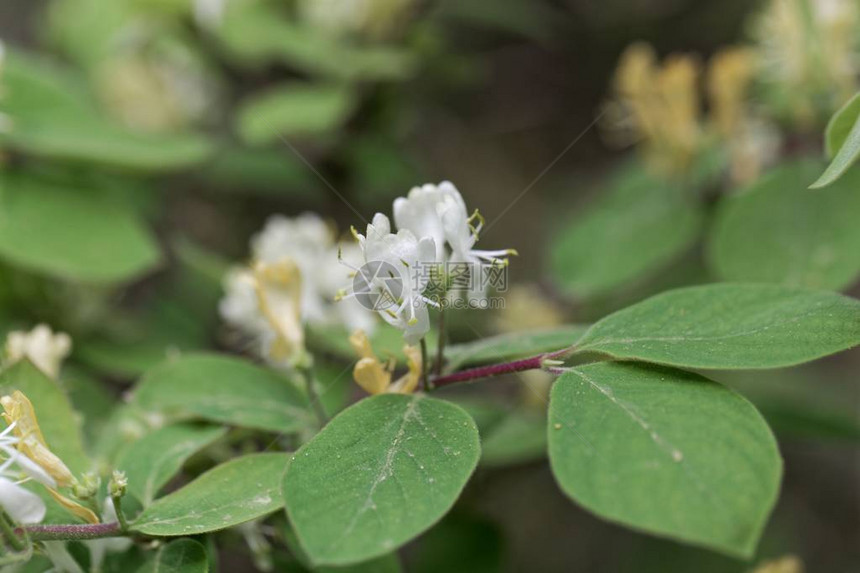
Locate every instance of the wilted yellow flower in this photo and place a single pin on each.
(278, 288)
(20, 415)
(374, 376)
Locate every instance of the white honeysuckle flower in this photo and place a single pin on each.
(209, 13)
(419, 213)
(439, 212)
(350, 312)
(397, 256)
(309, 241)
(21, 504)
(44, 348)
(240, 306)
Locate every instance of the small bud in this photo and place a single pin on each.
(118, 484)
(88, 487)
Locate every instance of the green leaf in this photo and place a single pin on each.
(729, 326)
(512, 345)
(664, 451)
(150, 462)
(378, 475)
(224, 389)
(293, 110)
(777, 231)
(255, 33)
(229, 494)
(180, 556)
(97, 141)
(71, 233)
(842, 141)
(638, 227)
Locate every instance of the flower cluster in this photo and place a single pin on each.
(291, 281)
(28, 457)
(434, 228)
(660, 106)
(809, 56)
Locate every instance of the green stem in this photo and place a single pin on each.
(440, 346)
(313, 396)
(9, 533)
(120, 515)
(425, 378)
(72, 532)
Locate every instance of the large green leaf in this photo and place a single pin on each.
(71, 233)
(180, 556)
(234, 492)
(98, 141)
(153, 460)
(778, 231)
(639, 226)
(378, 475)
(729, 326)
(664, 451)
(842, 140)
(224, 389)
(293, 110)
(512, 345)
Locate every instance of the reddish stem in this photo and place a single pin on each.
(533, 363)
(70, 532)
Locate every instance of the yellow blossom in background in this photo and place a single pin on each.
(729, 75)
(750, 141)
(43, 347)
(21, 416)
(374, 376)
(789, 564)
(658, 106)
(808, 54)
(278, 288)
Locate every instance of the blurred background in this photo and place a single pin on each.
(616, 172)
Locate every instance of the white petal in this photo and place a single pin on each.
(21, 504)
